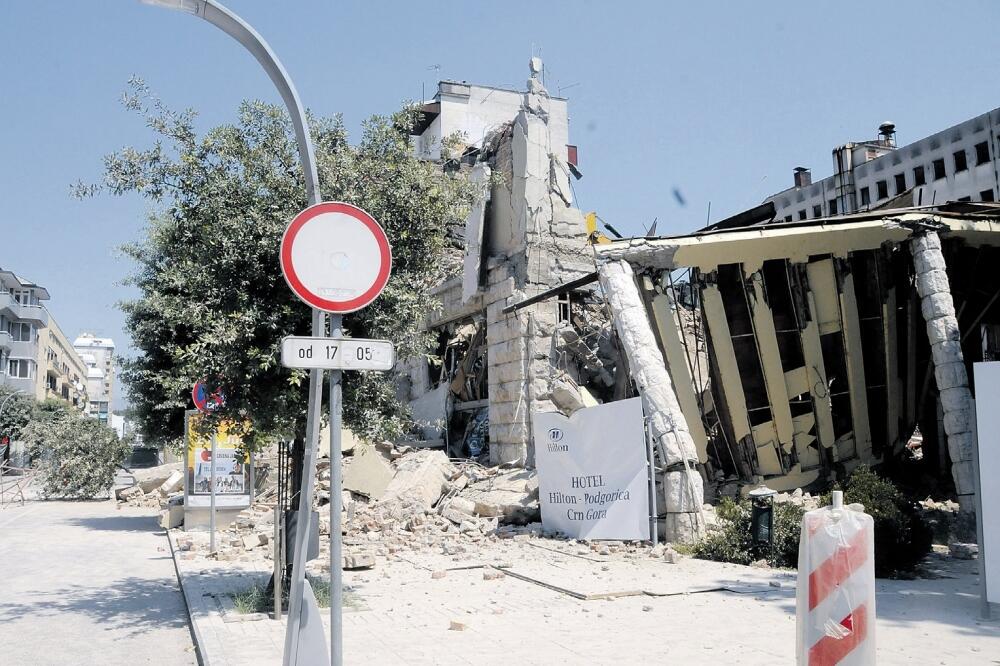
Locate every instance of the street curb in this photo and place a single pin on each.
(199, 640)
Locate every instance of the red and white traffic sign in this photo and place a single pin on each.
(335, 257)
(205, 399)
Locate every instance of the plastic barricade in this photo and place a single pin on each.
(835, 600)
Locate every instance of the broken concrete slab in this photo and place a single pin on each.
(173, 483)
(172, 516)
(421, 477)
(512, 497)
(368, 474)
(151, 478)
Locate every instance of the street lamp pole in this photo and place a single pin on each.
(301, 646)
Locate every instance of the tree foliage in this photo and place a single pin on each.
(76, 456)
(213, 302)
(15, 412)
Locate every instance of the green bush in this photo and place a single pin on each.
(732, 541)
(76, 456)
(902, 538)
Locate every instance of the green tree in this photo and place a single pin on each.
(15, 412)
(212, 299)
(76, 456)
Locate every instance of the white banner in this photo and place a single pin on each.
(593, 479)
(987, 381)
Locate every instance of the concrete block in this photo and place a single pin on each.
(173, 483)
(950, 375)
(948, 351)
(368, 474)
(932, 282)
(926, 241)
(958, 421)
(963, 474)
(421, 477)
(941, 330)
(924, 262)
(961, 445)
(934, 306)
(956, 398)
(172, 517)
(682, 496)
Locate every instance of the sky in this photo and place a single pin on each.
(716, 100)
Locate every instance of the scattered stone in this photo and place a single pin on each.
(963, 551)
(353, 561)
(457, 626)
(647, 608)
(493, 574)
(438, 575)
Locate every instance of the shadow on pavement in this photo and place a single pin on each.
(117, 523)
(132, 604)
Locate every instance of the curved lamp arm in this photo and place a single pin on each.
(231, 24)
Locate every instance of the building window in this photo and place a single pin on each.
(802, 214)
(788, 218)
(866, 196)
(918, 176)
(900, 183)
(960, 163)
(882, 188)
(21, 332)
(982, 153)
(965, 199)
(817, 211)
(832, 206)
(986, 195)
(939, 169)
(565, 311)
(20, 368)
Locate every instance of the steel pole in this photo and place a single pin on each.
(227, 21)
(336, 507)
(211, 517)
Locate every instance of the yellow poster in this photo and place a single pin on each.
(230, 471)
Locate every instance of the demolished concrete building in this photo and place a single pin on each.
(764, 351)
(828, 342)
(523, 238)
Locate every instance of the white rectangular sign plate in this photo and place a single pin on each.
(593, 478)
(337, 353)
(987, 380)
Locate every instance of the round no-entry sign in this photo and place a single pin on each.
(335, 257)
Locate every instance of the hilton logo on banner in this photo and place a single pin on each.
(555, 441)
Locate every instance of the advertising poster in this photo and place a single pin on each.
(593, 480)
(231, 468)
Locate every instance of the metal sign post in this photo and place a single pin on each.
(211, 515)
(336, 258)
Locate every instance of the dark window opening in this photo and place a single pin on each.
(964, 199)
(939, 169)
(900, 183)
(960, 163)
(866, 196)
(986, 195)
(918, 176)
(802, 214)
(832, 206)
(982, 153)
(817, 211)
(734, 298)
(883, 189)
(788, 218)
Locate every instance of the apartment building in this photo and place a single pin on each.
(956, 164)
(22, 316)
(62, 373)
(98, 355)
(35, 356)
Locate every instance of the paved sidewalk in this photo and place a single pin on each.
(403, 615)
(85, 583)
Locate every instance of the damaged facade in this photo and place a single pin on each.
(828, 343)
(521, 239)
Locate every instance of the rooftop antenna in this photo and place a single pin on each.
(708, 215)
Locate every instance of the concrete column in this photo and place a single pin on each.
(682, 483)
(938, 310)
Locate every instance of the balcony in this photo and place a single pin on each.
(5, 340)
(33, 313)
(24, 384)
(24, 350)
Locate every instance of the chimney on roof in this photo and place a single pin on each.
(803, 177)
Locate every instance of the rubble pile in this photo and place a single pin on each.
(153, 487)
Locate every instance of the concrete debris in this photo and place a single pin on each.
(172, 516)
(174, 483)
(151, 478)
(368, 474)
(420, 477)
(963, 551)
(438, 575)
(493, 574)
(458, 626)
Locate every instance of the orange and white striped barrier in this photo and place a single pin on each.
(835, 600)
